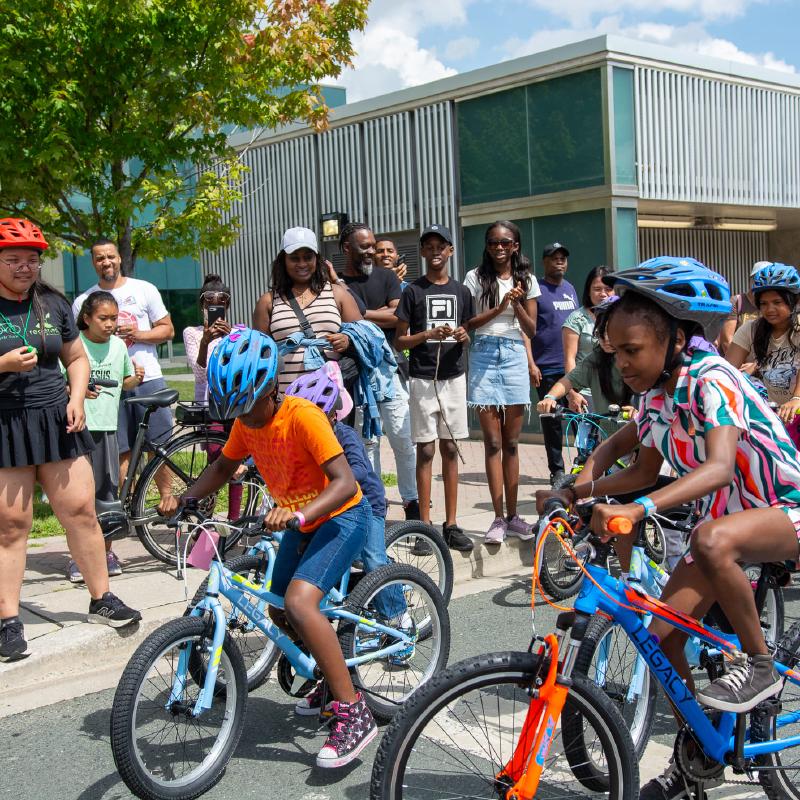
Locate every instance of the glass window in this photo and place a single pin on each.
(624, 130)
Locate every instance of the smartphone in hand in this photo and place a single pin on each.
(213, 313)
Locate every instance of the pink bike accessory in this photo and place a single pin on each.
(203, 549)
(301, 518)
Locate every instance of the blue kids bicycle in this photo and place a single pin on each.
(179, 708)
(514, 726)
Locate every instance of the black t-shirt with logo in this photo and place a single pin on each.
(376, 290)
(427, 305)
(44, 385)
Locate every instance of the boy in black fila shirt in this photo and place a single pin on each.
(432, 322)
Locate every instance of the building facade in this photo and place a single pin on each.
(619, 149)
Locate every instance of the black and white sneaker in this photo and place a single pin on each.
(13, 646)
(110, 610)
(748, 680)
(669, 785)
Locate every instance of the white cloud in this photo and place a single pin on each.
(388, 53)
(693, 38)
(463, 47)
(582, 12)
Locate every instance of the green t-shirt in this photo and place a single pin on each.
(108, 361)
(582, 322)
(586, 376)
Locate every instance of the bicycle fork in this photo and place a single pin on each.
(527, 763)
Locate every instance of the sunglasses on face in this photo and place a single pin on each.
(500, 242)
(217, 298)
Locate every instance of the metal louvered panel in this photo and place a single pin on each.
(388, 173)
(433, 133)
(279, 192)
(711, 141)
(731, 253)
(341, 171)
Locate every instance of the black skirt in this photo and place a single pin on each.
(35, 436)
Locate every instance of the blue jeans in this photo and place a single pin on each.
(321, 558)
(389, 602)
(396, 423)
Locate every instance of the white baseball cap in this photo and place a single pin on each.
(295, 238)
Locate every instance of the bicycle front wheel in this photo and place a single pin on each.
(185, 457)
(161, 748)
(422, 546)
(454, 737)
(559, 573)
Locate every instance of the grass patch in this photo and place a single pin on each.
(174, 370)
(185, 389)
(44, 521)
(389, 479)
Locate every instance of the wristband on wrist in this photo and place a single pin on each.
(796, 397)
(647, 504)
(551, 397)
(300, 518)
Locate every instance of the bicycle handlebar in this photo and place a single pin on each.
(102, 383)
(620, 525)
(614, 413)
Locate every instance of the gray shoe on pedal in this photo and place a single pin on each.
(669, 785)
(748, 680)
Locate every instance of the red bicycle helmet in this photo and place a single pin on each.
(21, 233)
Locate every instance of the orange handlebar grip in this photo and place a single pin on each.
(620, 525)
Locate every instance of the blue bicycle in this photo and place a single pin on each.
(513, 726)
(179, 708)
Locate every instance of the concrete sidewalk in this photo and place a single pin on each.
(70, 658)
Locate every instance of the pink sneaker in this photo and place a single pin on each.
(497, 532)
(517, 526)
(352, 729)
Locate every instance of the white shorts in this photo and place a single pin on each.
(427, 423)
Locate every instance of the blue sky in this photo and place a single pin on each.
(409, 42)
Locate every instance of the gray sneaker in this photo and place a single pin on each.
(748, 680)
(114, 567)
(669, 785)
(73, 573)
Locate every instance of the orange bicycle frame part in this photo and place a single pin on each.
(526, 765)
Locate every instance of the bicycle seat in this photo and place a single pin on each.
(160, 399)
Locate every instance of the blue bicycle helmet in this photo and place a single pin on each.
(683, 287)
(776, 276)
(242, 369)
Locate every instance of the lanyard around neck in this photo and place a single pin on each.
(17, 331)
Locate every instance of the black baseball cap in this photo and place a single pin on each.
(553, 248)
(439, 230)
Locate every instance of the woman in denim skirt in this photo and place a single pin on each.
(505, 293)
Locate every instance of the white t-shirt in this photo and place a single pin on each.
(779, 372)
(140, 304)
(505, 323)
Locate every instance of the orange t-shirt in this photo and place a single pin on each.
(288, 452)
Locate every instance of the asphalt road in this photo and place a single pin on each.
(63, 751)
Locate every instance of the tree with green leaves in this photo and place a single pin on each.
(114, 115)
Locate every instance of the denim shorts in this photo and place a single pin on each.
(498, 373)
(328, 552)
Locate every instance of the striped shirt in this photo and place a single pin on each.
(322, 314)
(711, 393)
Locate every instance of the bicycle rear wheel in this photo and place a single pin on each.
(455, 735)
(405, 544)
(782, 780)
(184, 459)
(161, 749)
(388, 682)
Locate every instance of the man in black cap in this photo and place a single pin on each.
(557, 301)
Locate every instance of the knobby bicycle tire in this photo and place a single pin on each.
(385, 686)
(131, 698)
(506, 673)
(400, 538)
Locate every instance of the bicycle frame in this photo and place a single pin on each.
(717, 742)
(221, 581)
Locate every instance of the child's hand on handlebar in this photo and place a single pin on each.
(278, 519)
(543, 495)
(603, 513)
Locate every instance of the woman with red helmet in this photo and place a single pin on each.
(42, 433)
